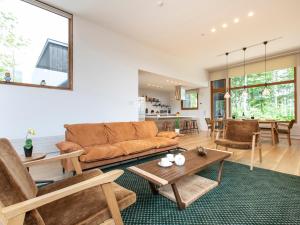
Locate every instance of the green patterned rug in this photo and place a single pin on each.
(243, 197)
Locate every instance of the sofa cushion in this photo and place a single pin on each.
(161, 142)
(66, 146)
(85, 207)
(167, 134)
(234, 144)
(135, 146)
(100, 152)
(120, 131)
(145, 129)
(86, 134)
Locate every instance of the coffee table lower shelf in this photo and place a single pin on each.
(190, 189)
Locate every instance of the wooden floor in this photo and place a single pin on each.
(281, 157)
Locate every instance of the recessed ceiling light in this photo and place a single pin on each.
(250, 13)
(224, 25)
(213, 30)
(236, 20)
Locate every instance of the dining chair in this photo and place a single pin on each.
(209, 125)
(91, 197)
(285, 128)
(244, 135)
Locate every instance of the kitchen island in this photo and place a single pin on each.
(167, 122)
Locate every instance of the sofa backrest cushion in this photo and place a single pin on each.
(86, 134)
(120, 131)
(145, 129)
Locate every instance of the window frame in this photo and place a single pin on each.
(270, 84)
(68, 16)
(192, 108)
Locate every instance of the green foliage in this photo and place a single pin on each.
(279, 105)
(260, 78)
(10, 42)
(177, 123)
(28, 143)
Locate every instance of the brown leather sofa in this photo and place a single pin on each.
(107, 143)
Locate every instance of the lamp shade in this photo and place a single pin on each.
(227, 95)
(266, 92)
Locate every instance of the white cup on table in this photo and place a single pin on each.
(164, 162)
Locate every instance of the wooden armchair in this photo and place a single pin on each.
(285, 128)
(241, 135)
(88, 198)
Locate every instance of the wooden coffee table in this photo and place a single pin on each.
(180, 183)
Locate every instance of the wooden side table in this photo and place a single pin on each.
(36, 156)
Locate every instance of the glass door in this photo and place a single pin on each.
(218, 103)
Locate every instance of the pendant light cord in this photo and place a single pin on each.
(265, 43)
(227, 70)
(244, 49)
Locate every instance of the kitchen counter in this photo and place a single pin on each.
(167, 120)
(155, 117)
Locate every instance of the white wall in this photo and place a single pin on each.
(106, 68)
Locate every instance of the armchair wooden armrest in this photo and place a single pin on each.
(219, 131)
(72, 155)
(15, 214)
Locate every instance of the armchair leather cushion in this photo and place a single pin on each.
(233, 144)
(241, 131)
(283, 131)
(100, 152)
(87, 207)
(16, 185)
(135, 146)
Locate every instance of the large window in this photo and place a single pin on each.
(35, 45)
(280, 104)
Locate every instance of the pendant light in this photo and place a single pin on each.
(227, 94)
(245, 93)
(266, 91)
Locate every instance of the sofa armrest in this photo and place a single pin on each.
(167, 134)
(68, 147)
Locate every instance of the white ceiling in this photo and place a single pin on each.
(152, 81)
(178, 26)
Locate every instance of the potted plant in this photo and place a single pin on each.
(28, 143)
(177, 124)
